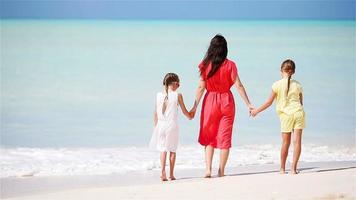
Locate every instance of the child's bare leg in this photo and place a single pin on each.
(224, 155)
(297, 143)
(163, 166)
(172, 161)
(209, 152)
(284, 150)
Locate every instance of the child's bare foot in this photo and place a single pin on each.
(172, 178)
(294, 172)
(282, 171)
(163, 176)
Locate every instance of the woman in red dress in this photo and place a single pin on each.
(217, 75)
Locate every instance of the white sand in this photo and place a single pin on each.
(322, 184)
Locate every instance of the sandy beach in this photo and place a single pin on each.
(78, 99)
(327, 180)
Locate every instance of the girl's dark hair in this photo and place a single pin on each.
(169, 78)
(288, 66)
(215, 55)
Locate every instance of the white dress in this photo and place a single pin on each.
(166, 132)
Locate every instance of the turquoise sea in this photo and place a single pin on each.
(77, 96)
(83, 83)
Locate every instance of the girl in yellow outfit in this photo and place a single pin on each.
(289, 106)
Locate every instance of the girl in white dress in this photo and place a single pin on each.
(166, 131)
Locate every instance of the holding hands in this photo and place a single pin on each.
(193, 110)
(253, 112)
(250, 108)
(268, 103)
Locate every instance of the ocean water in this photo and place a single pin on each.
(71, 89)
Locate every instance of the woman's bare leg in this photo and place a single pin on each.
(224, 155)
(209, 153)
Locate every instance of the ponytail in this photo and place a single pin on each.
(165, 102)
(289, 77)
(168, 79)
(288, 66)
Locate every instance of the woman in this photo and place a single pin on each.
(217, 75)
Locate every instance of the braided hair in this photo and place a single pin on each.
(288, 66)
(169, 78)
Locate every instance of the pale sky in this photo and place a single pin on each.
(173, 9)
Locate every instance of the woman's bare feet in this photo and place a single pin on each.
(172, 178)
(294, 171)
(282, 171)
(221, 173)
(207, 174)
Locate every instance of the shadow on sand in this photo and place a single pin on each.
(305, 169)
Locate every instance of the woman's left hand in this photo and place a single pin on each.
(250, 107)
(253, 112)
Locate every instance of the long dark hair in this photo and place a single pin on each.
(288, 66)
(215, 55)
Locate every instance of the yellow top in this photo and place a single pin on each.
(291, 103)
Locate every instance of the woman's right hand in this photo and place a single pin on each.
(192, 112)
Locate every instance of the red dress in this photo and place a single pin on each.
(218, 109)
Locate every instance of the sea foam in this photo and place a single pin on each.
(24, 162)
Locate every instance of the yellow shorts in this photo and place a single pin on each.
(292, 121)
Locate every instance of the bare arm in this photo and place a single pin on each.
(182, 106)
(301, 98)
(241, 90)
(199, 93)
(267, 104)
